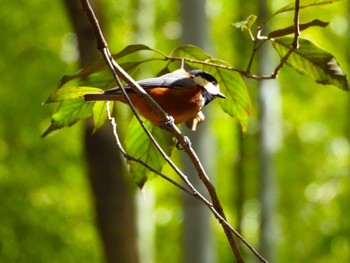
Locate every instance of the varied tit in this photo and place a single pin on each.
(180, 93)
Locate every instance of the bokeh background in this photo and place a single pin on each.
(295, 177)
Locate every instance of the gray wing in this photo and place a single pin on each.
(174, 79)
(170, 80)
(166, 82)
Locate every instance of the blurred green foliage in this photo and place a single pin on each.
(45, 211)
(46, 208)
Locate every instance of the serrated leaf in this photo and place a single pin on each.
(237, 103)
(69, 112)
(139, 146)
(67, 93)
(310, 60)
(303, 4)
(99, 113)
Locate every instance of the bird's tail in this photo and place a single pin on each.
(101, 96)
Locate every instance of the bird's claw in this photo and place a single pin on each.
(167, 123)
(186, 143)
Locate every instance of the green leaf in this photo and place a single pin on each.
(312, 61)
(131, 66)
(99, 113)
(67, 93)
(190, 52)
(237, 103)
(69, 112)
(90, 76)
(291, 29)
(303, 4)
(135, 48)
(97, 74)
(245, 24)
(164, 70)
(82, 74)
(104, 79)
(138, 145)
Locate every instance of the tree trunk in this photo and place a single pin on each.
(114, 200)
(112, 193)
(198, 241)
(269, 101)
(145, 15)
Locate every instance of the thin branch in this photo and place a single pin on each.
(244, 73)
(295, 44)
(131, 158)
(117, 71)
(296, 25)
(257, 45)
(184, 141)
(193, 192)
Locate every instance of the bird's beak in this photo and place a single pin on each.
(220, 95)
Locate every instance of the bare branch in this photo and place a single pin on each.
(296, 25)
(295, 44)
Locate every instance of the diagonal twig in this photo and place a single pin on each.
(184, 141)
(117, 71)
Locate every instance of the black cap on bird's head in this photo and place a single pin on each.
(209, 83)
(205, 75)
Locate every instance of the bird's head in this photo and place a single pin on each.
(209, 84)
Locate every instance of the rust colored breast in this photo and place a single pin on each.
(181, 103)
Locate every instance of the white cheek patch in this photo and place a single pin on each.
(210, 87)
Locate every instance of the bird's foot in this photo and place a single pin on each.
(186, 143)
(167, 123)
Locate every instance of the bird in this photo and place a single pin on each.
(182, 94)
